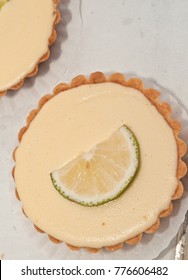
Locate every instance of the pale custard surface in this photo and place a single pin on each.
(25, 27)
(74, 121)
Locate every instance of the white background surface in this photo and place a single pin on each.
(143, 38)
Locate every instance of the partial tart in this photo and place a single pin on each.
(27, 30)
(74, 118)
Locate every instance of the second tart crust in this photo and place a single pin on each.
(45, 57)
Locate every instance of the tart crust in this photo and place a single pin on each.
(163, 108)
(45, 57)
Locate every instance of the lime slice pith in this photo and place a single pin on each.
(100, 175)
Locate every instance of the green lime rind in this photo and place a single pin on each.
(2, 3)
(90, 204)
(122, 189)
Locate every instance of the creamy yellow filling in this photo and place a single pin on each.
(74, 121)
(25, 27)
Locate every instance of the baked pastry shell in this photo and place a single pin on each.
(164, 109)
(45, 57)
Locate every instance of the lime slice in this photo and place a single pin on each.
(2, 2)
(103, 173)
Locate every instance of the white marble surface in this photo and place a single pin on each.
(143, 38)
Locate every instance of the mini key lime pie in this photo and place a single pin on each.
(99, 162)
(27, 29)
